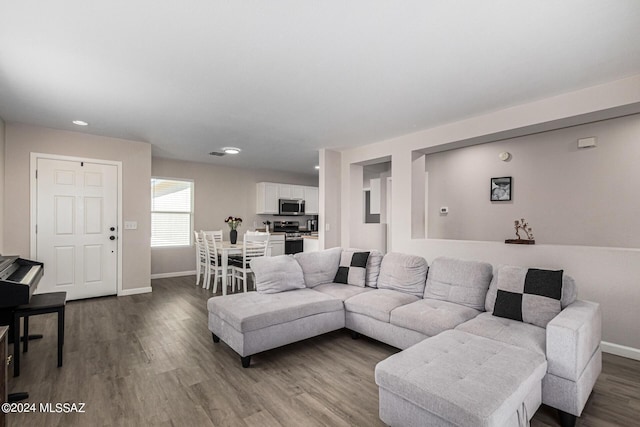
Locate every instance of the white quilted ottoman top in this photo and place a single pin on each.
(463, 378)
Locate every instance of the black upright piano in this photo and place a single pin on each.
(19, 278)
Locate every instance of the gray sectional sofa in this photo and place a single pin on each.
(463, 364)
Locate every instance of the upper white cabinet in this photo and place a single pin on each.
(268, 194)
(311, 204)
(284, 191)
(267, 198)
(297, 192)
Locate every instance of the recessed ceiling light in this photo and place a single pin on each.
(231, 150)
(317, 167)
(80, 123)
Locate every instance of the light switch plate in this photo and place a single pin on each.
(131, 225)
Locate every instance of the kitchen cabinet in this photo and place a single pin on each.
(267, 198)
(297, 192)
(311, 201)
(311, 244)
(269, 193)
(284, 191)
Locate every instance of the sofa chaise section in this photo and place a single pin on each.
(459, 379)
(254, 322)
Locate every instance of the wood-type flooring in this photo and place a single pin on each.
(149, 360)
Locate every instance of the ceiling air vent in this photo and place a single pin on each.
(217, 154)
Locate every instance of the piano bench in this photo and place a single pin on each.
(38, 304)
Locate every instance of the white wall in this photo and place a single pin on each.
(135, 156)
(570, 196)
(220, 192)
(609, 276)
(330, 179)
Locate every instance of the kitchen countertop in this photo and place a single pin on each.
(310, 237)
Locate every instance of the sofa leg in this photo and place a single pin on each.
(566, 419)
(216, 339)
(354, 335)
(246, 361)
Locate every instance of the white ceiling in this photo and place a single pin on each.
(281, 79)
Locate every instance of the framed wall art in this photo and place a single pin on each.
(501, 189)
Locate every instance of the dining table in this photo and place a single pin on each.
(225, 248)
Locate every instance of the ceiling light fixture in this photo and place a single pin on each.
(231, 150)
(80, 123)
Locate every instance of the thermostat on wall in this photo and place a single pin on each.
(444, 210)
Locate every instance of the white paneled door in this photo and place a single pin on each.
(77, 227)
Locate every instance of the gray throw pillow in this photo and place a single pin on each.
(373, 266)
(569, 291)
(353, 268)
(528, 295)
(277, 274)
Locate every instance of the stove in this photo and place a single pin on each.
(292, 237)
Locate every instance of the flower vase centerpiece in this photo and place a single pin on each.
(234, 223)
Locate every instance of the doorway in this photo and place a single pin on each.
(75, 217)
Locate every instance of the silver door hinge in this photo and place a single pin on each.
(36, 173)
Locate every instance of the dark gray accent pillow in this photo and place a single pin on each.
(353, 268)
(528, 295)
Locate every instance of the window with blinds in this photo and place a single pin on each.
(171, 212)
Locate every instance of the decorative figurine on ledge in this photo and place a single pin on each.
(522, 225)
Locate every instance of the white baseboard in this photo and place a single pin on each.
(620, 350)
(135, 291)
(174, 274)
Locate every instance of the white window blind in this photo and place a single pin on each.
(171, 212)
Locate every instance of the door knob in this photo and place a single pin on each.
(112, 229)
(112, 237)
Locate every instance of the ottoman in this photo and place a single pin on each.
(253, 322)
(460, 379)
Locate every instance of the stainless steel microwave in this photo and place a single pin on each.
(291, 207)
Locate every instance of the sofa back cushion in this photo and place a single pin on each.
(319, 267)
(373, 266)
(459, 281)
(277, 274)
(569, 291)
(404, 273)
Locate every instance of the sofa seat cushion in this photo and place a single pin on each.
(507, 331)
(459, 281)
(251, 311)
(378, 303)
(430, 316)
(462, 378)
(340, 290)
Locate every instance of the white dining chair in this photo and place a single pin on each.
(255, 245)
(214, 267)
(217, 234)
(201, 257)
